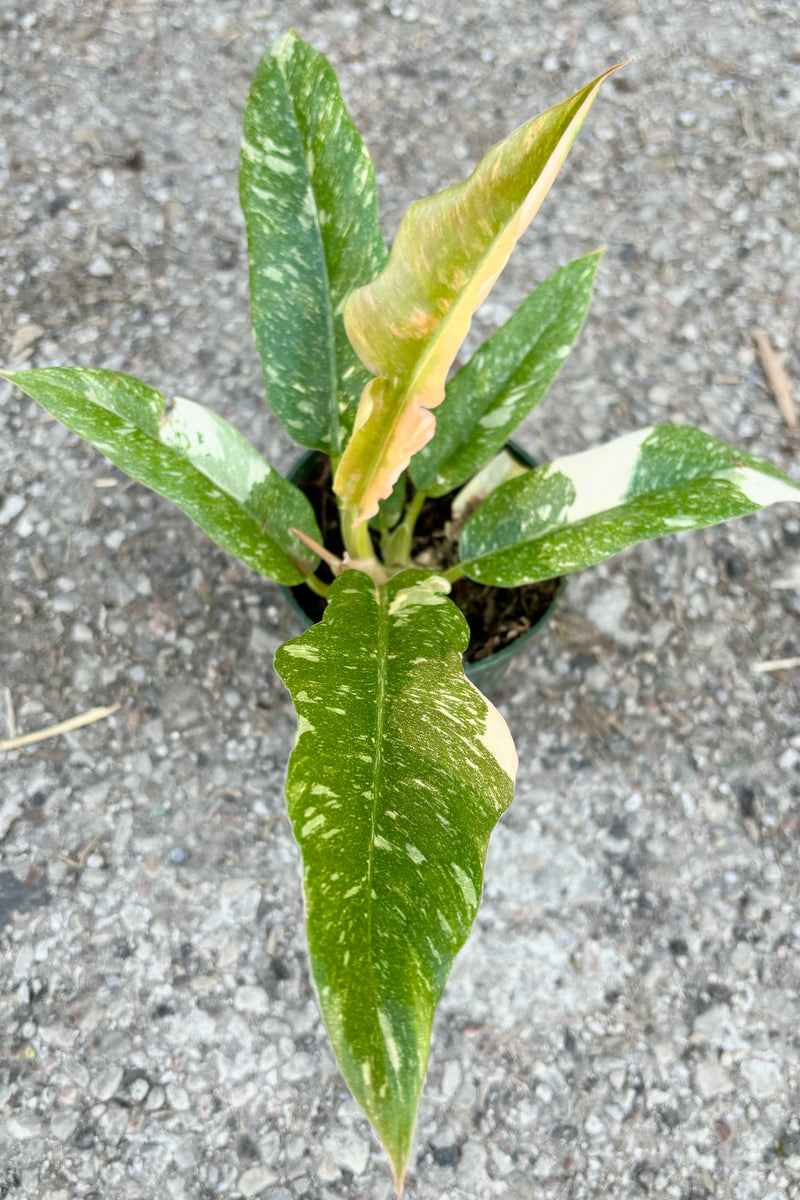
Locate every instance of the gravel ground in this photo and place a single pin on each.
(624, 1020)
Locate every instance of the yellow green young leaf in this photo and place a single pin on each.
(407, 324)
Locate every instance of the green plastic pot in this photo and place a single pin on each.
(487, 673)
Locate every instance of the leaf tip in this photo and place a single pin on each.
(399, 1179)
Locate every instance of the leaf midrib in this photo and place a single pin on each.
(381, 662)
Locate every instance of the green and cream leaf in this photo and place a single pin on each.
(505, 379)
(307, 188)
(400, 771)
(583, 508)
(191, 456)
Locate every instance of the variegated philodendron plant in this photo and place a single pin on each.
(401, 767)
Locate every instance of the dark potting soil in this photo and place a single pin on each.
(496, 616)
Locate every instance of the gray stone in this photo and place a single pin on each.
(57, 1036)
(255, 1180)
(763, 1076)
(716, 1025)
(156, 1098)
(24, 1125)
(712, 1079)
(178, 1097)
(104, 1085)
(100, 268)
(11, 507)
(607, 609)
(251, 999)
(63, 1124)
(347, 1150)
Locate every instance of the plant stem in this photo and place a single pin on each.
(357, 540)
(400, 539)
(316, 585)
(454, 573)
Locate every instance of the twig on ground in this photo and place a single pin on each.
(778, 380)
(8, 713)
(40, 735)
(776, 664)
(78, 863)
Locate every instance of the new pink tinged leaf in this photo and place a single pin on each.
(407, 325)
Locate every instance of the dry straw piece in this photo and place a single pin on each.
(51, 731)
(779, 382)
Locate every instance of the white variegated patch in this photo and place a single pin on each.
(602, 476)
(191, 456)
(215, 447)
(760, 488)
(498, 741)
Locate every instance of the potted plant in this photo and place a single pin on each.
(401, 767)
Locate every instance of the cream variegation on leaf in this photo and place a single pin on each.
(400, 770)
(581, 509)
(408, 324)
(401, 767)
(190, 455)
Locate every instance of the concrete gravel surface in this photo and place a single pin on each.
(624, 1019)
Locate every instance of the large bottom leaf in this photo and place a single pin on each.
(400, 771)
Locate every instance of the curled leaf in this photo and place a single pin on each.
(408, 324)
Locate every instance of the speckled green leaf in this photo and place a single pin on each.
(585, 507)
(191, 456)
(399, 772)
(505, 379)
(307, 188)
(408, 323)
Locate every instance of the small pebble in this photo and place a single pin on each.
(100, 268)
(11, 507)
(347, 1150)
(254, 1180)
(156, 1098)
(63, 1124)
(177, 1097)
(104, 1085)
(251, 999)
(24, 1125)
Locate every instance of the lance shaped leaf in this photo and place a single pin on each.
(408, 324)
(191, 456)
(583, 508)
(400, 771)
(505, 379)
(307, 189)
